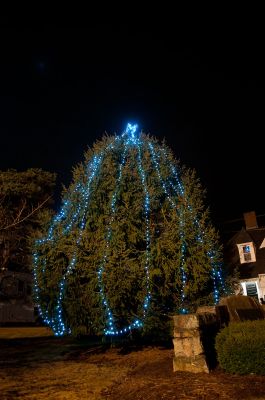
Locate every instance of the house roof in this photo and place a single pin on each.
(252, 269)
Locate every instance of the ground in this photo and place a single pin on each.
(35, 365)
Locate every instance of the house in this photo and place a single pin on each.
(246, 252)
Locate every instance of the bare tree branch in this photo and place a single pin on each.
(18, 217)
(19, 220)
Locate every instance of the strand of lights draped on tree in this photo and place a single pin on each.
(173, 205)
(179, 189)
(73, 219)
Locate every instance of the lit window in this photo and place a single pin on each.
(246, 252)
(251, 289)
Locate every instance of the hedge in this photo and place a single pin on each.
(240, 347)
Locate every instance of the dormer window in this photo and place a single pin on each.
(246, 252)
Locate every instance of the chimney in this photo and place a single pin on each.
(250, 220)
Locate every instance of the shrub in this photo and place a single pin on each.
(241, 347)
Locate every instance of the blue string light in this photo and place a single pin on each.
(147, 229)
(181, 220)
(130, 139)
(111, 329)
(73, 214)
(179, 189)
(56, 321)
(58, 325)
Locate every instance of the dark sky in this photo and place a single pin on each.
(200, 87)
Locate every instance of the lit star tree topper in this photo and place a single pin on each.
(131, 129)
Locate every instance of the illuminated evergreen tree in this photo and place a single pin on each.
(131, 243)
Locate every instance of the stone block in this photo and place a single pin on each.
(181, 332)
(206, 309)
(207, 319)
(188, 347)
(186, 321)
(190, 364)
(242, 308)
(194, 341)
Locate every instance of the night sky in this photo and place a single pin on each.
(201, 89)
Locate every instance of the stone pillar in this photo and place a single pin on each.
(189, 335)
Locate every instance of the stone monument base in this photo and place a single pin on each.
(190, 364)
(193, 339)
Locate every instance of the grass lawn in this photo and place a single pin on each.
(39, 366)
(24, 332)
